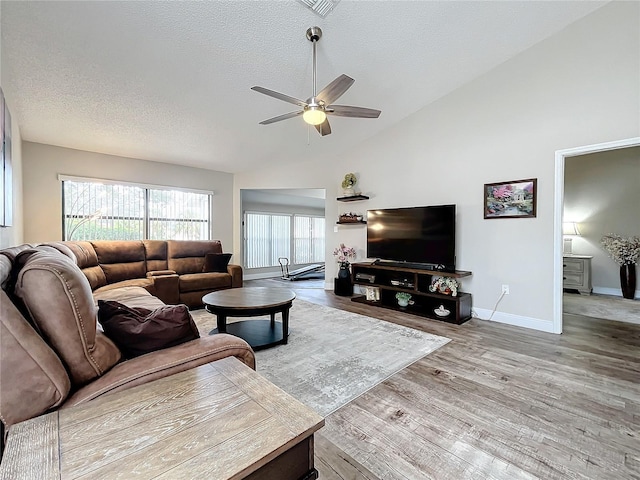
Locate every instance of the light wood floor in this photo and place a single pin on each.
(496, 402)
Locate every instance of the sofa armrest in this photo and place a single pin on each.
(159, 273)
(162, 363)
(236, 275)
(166, 288)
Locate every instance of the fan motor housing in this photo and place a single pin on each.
(314, 34)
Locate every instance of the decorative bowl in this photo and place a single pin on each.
(441, 311)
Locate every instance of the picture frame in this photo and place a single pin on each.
(512, 199)
(372, 294)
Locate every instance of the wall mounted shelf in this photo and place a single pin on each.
(352, 198)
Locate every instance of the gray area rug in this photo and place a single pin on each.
(602, 306)
(334, 356)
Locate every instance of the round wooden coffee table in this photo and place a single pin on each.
(249, 302)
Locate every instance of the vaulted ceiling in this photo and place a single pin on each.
(170, 81)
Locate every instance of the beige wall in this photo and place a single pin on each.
(579, 87)
(43, 191)
(13, 235)
(602, 194)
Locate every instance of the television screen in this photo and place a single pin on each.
(423, 235)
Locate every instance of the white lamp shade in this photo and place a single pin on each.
(570, 228)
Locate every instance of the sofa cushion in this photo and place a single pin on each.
(121, 260)
(86, 258)
(137, 331)
(216, 262)
(145, 283)
(194, 282)
(58, 298)
(188, 256)
(155, 254)
(27, 358)
(130, 296)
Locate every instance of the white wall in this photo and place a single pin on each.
(43, 191)
(602, 195)
(578, 87)
(13, 235)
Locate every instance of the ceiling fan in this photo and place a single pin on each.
(316, 108)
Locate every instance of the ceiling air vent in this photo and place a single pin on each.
(321, 7)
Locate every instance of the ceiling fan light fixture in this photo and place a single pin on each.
(314, 115)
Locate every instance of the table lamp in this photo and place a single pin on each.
(569, 230)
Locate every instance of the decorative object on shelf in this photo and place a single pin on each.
(569, 230)
(350, 218)
(372, 294)
(343, 254)
(441, 311)
(348, 184)
(404, 299)
(625, 252)
(514, 199)
(445, 285)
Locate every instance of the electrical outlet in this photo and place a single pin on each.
(505, 289)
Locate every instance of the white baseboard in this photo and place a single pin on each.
(616, 292)
(516, 320)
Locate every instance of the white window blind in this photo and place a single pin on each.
(95, 210)
(309, 239)
(269, 236)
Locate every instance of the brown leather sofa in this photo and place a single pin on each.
(52, 351)
(171, 270)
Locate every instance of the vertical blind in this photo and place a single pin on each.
(268, 237)
(109, 211)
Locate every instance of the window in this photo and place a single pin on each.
(268, 237)
(103, 210)
(309, 239)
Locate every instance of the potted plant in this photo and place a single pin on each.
(343, 254)
(625, 252)
(403, 298)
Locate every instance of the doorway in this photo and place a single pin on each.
(560, 158)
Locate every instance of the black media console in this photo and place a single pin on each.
(391, 279)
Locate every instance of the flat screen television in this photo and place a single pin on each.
(416, 235)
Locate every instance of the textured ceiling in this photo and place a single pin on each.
(170, 81)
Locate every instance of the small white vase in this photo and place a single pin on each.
(349, 192)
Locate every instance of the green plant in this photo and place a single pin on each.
(403, 296)
(349, 180)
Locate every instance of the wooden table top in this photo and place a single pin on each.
(221, 420)
(249, 297)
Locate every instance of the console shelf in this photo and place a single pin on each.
(392, 279)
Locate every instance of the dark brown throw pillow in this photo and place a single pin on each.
(137, 331)
(216, 262)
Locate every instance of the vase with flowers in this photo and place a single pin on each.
(625, 252)
(343, 254)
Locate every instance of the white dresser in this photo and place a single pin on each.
(576, 273)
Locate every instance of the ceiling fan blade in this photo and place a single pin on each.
(280, 96)
(324, 128)
(282, 117)
(347, 111)
(335, 89)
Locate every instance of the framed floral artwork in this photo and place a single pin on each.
(514, 199)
